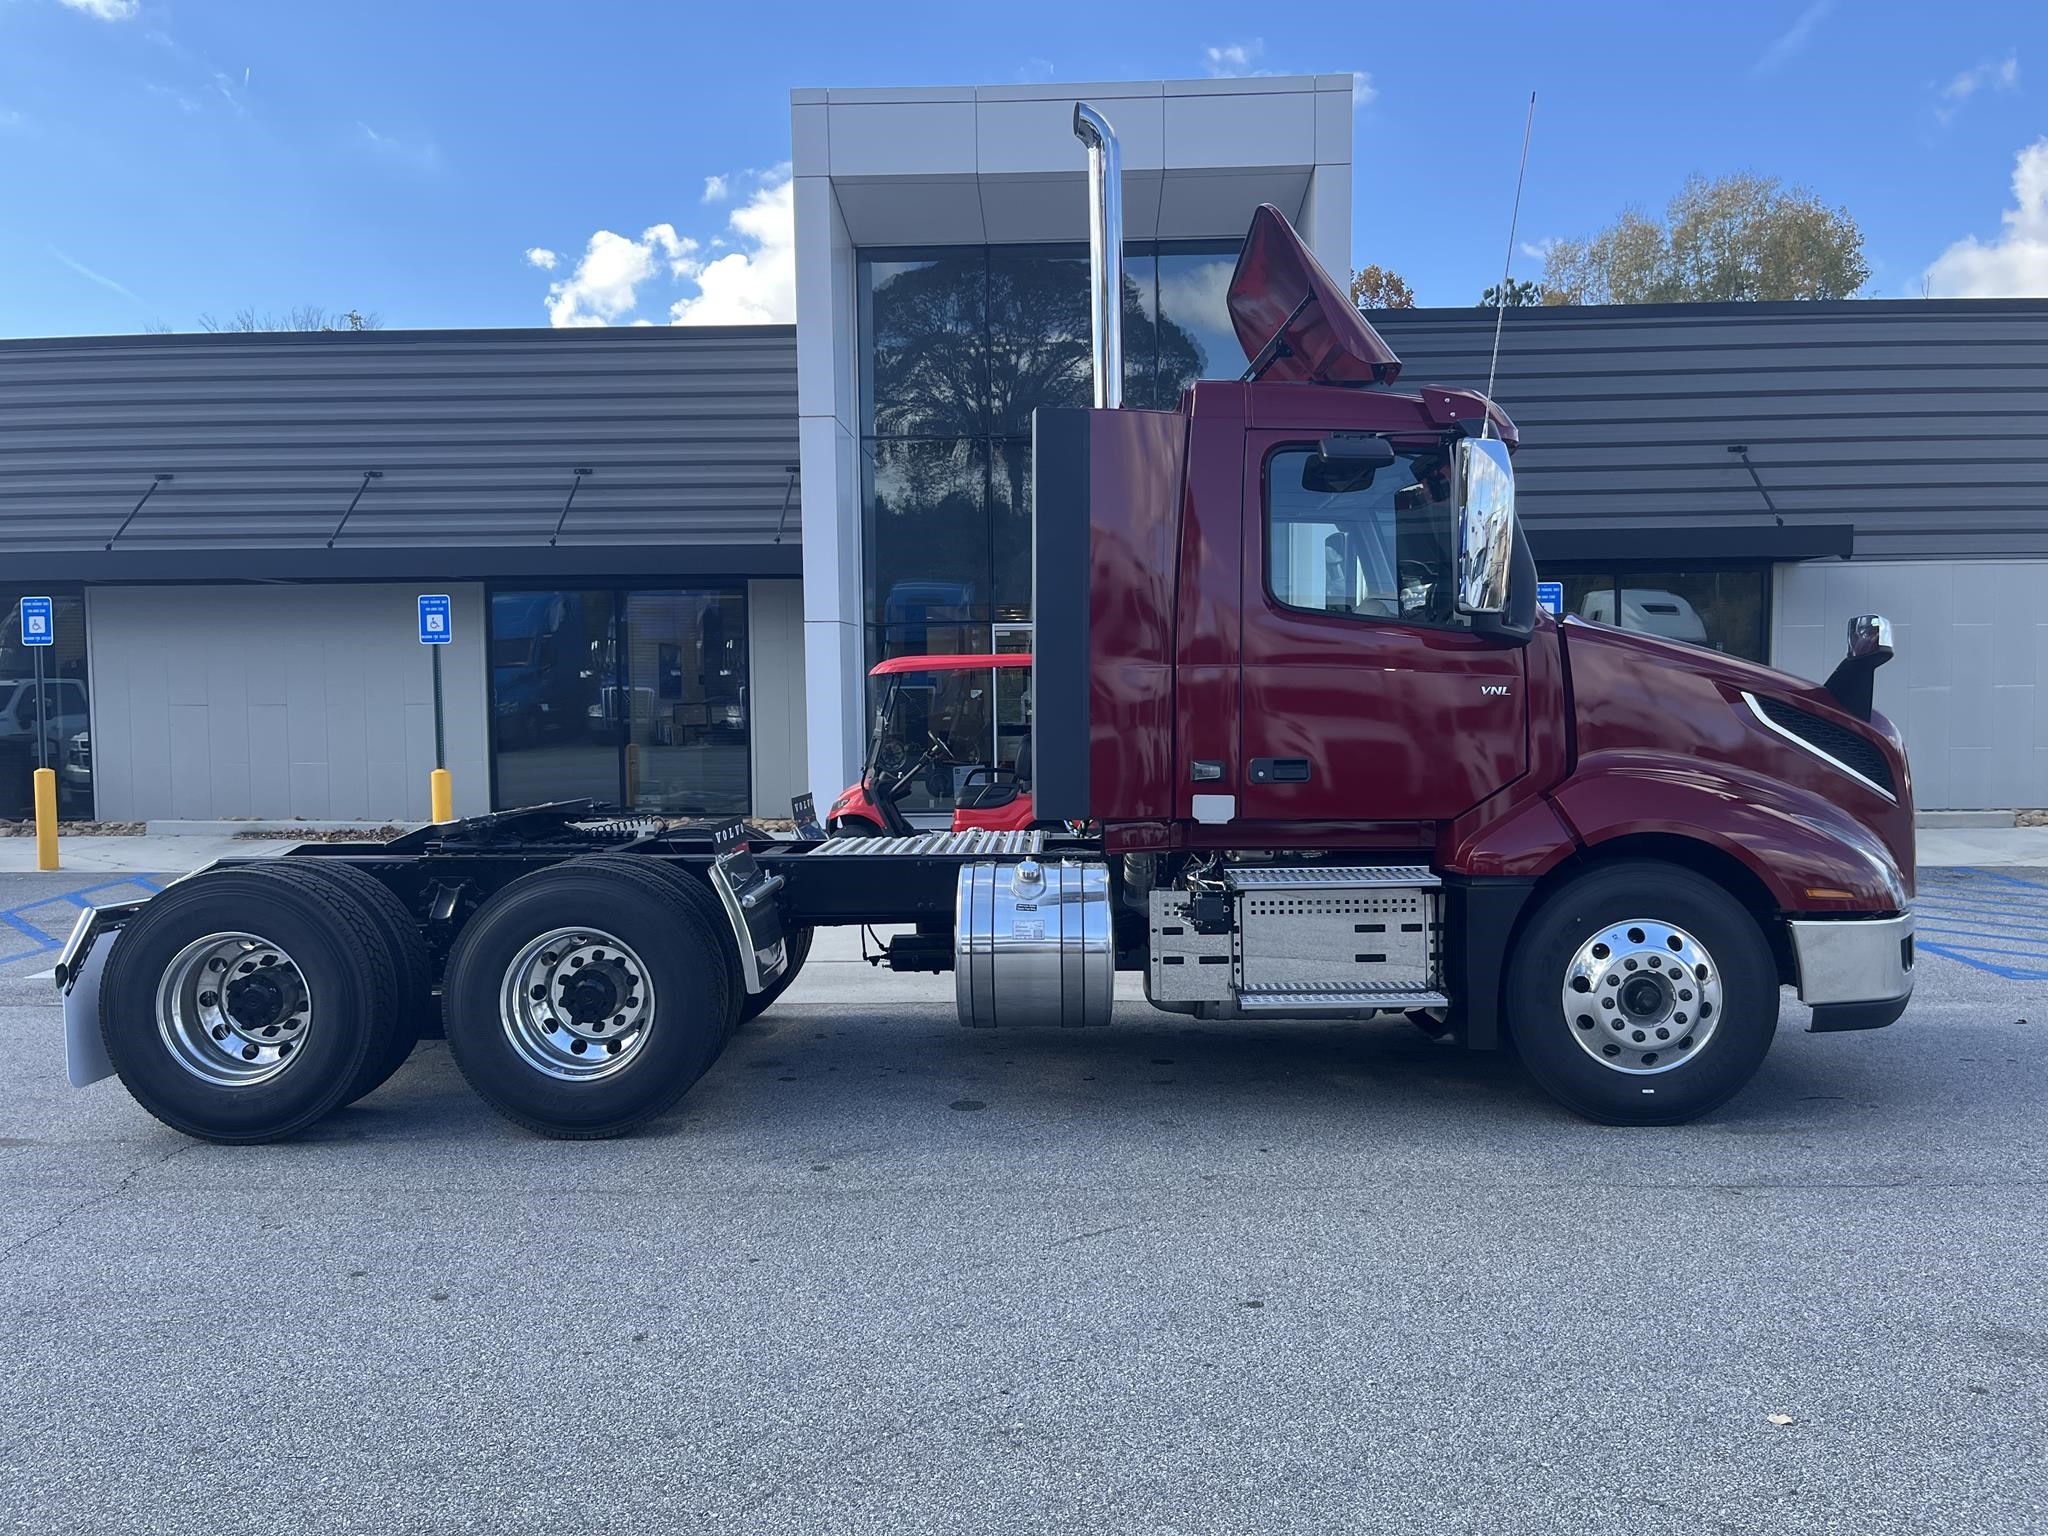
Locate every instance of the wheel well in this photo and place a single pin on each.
(1703, 859)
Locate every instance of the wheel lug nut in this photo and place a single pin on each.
(539, 992)
(220, 1031)
(208, 999)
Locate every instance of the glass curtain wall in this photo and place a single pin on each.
(958, 347)
(51, 731)
(633, 697)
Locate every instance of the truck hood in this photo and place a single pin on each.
(1645, 699)
(1279, 289)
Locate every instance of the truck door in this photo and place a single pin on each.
(1364, 696)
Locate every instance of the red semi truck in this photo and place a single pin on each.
(1289, 662)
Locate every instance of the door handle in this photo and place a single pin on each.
(1280, 770)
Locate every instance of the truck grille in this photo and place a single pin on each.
(1838, 742)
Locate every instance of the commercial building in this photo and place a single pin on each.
(673, 553)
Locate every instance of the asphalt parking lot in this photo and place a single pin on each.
(880, 1273)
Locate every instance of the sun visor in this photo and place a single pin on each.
(1279, 289)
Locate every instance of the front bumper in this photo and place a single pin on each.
(1855, 973)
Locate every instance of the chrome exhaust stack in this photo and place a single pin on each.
(1105, 253)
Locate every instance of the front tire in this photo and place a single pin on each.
(1642, 994)
(583, 1000)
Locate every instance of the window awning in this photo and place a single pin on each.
(1661, 544)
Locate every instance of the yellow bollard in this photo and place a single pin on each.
(46, 818)
(442, 793)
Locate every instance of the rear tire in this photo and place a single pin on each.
(1642, 994)
(411, 965)
(583, 1000)
(318, 1003)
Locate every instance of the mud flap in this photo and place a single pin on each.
(747, 892)
(79, 967)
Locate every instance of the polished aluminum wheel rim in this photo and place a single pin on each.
(576, 1004)
(233, 1009)
(1642, 997)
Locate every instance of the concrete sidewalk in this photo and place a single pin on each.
(157, 853)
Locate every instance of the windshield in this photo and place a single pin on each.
(1362, 542)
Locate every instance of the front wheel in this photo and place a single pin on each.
(1642, 994)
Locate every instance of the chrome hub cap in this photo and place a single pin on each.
(233, 1009)
(1642, 997)
(576, 1004)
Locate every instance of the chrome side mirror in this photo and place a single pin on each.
(1854, 680)
(1870, 634)
(1486, 525)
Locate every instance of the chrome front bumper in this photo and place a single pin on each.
(1853, 959)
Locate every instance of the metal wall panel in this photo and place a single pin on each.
(284, 702)
(1969, 686)
(1922, 422)
(689, 434)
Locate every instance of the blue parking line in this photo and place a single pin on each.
(16, 917)
(1985, 919)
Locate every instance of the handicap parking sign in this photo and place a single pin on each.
(437, 623)
(1550, 597)
(38, 621)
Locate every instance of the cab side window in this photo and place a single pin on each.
(1362, 543)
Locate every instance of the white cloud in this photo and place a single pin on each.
(2016, 264)
(1234, 58)
(1788, 43)
(752, 283)
(1035, 71)
(755, 284)
(2001, 76)
(716, 189)
(606, 283)
(1538, 250)
(1363, 92)
(106, 10)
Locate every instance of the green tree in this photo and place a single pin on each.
(1519, 294)
(1378, 287)
(1733, 238)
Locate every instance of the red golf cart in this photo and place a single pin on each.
(939, 722)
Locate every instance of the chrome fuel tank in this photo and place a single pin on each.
(1031, 944)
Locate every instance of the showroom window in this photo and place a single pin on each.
(50, 730)
(1726, 610)
(635, 696)
(959, 346)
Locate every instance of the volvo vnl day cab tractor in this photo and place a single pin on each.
(1291, 675)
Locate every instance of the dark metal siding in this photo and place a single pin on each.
(1922, 422)
(689, 434)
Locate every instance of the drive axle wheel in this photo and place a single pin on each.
(1642, 994)
(412, 970)
(237, 1007)
(583, 1000)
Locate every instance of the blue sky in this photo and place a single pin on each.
(163, 159)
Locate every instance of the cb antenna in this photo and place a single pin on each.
(1500, 294)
